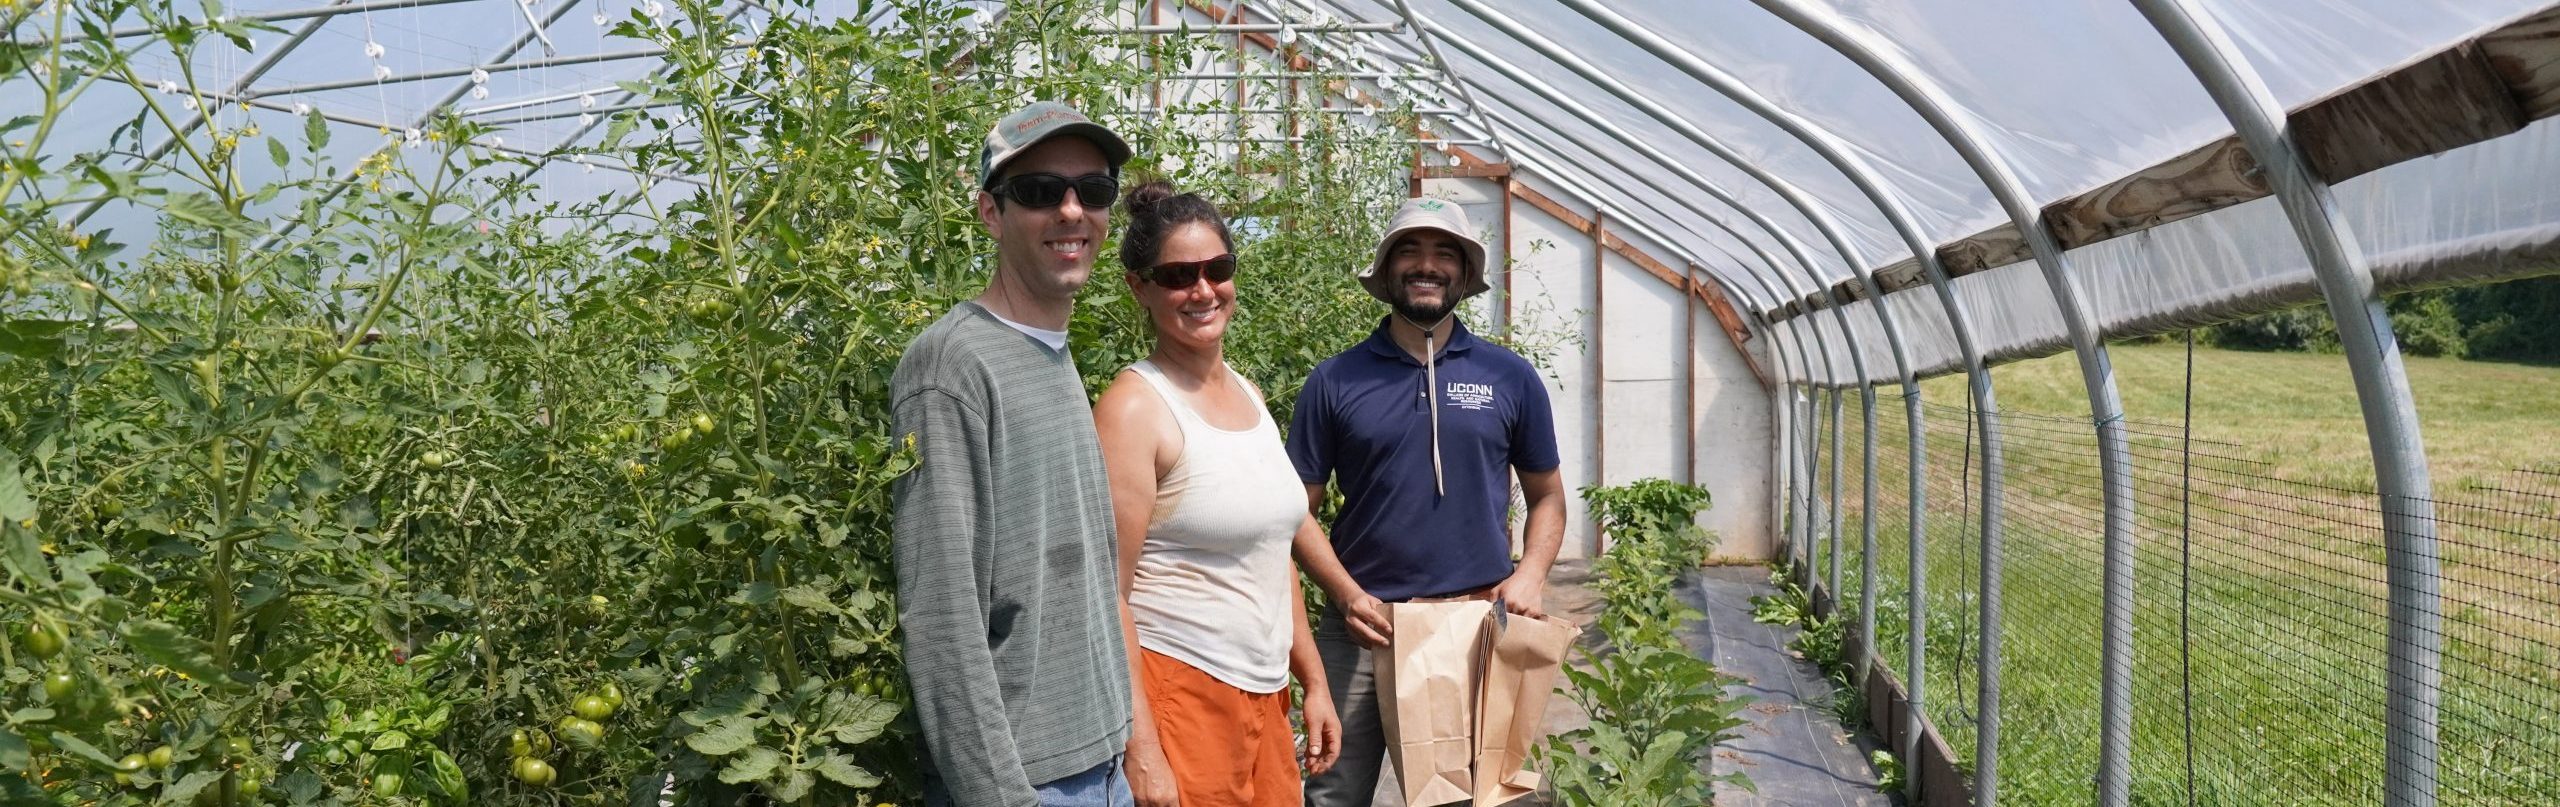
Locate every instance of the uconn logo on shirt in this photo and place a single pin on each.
(1470, 396)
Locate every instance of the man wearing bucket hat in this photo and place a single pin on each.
(1004, 541)
(1422, 427)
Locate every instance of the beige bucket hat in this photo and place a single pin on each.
(1428, 214)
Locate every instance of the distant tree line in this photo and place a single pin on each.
(2516, 320)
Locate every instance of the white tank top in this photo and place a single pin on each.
(1213, 578)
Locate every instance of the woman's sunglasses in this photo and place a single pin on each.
(1179, 275)
(1041, 191)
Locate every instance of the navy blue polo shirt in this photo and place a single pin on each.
(1363, 419)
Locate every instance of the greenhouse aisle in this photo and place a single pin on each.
(1794, 750)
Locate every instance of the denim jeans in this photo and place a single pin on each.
(1105, 785)
(1351, 675)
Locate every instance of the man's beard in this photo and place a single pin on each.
(1425, 315)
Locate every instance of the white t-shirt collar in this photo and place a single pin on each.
(1056, 340)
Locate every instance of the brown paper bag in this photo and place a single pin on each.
(1428, 677)
(1525, 656)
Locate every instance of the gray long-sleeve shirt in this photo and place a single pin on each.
(1007, 563)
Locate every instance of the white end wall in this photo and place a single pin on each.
(1643, 381)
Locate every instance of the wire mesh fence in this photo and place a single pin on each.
(2261, 617)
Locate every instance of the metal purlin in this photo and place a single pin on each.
(1869, 183)
(2097, 375)
(423, 119)
(197, 118)
(1405, 8)
(1856, 260)
(1574, 187)
(2382, 391)
(1795, 197)
(1794, 247)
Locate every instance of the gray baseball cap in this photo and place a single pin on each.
(1041, 120)
(1428, 214)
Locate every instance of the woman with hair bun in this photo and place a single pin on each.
(1207, 506)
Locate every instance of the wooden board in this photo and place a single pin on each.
(2526, 56)
(2217, 175)
(2445, 101)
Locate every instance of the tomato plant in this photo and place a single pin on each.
(394, 482)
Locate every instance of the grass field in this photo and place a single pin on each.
(2275, 663)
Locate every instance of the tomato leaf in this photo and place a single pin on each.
(184, 790)
(13, 751)
(809, 598)
(792, 788)
(315, 131)
(164, 644)
(724, 737)
(15, 505)
(840, 769)
(82, 749)
(862, 719)
(203, 209)
(753, 764)
(32, 338)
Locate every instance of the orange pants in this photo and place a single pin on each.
(1228, 747)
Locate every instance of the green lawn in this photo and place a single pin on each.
(2285, 606)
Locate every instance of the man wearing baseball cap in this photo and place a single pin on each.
(1004, 541)
(1421, 427)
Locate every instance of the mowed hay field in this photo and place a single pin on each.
(2261, 595)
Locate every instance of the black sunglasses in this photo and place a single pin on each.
(1045, 190)
(1179, 275)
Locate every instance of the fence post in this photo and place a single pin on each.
(1831, 543)
(2382, 390)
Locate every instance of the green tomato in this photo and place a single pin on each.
(431, 460)
(41, 640)
(131, 763)
(529, 743)
(252, 784)
(60, 686)
(610, 692)
(238, 749)
(626, 432)
(581, 732)
(592, 707)
(534, 773)
(703, 423)
(159, 758)
(111, 508)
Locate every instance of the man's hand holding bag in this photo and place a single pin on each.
(1465, 689)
